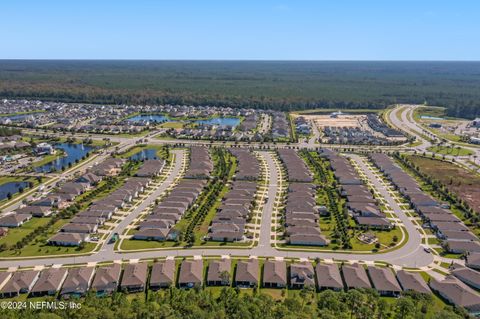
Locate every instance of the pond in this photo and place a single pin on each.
(145, 154)
(220, 121)
(73, 152)
(156, 118)
(11, 188)
(426, 117)
(17, 117)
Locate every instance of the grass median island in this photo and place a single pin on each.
(338, 226)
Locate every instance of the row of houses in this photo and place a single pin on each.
(454, 234)
(233, 213)
(63, 196)
(379, 126)
(238, 203)
(351, 135)
(361, 204)
(158, 225)
(295, 167)
(87, 222)
(201, 164)
(280, 127)
(248, 167)
(137, 277)
(301, 215)
(276, 274)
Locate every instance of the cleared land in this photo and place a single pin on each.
(458, 180)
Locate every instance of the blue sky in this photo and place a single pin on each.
(243, 29)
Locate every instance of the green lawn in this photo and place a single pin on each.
(449, 150)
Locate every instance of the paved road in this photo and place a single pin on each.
(413, 247)
(266, 224)
(120, 227)
(409, 255)
(402, 118)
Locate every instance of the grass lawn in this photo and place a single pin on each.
(449, 150)
(172, 125)
(16, 234)
(132, 244)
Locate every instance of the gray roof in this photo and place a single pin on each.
(457, 293)
(383, 279)
(412, 281)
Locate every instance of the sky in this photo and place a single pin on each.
(241, 29)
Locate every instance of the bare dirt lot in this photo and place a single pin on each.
(463, 183)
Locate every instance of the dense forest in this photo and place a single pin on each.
(257, 84)
(232, 303)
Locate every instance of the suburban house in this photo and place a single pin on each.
(163, 274)
(20, 283)
(134, 277)
(384, 281)
(355, 276)
(328, 277)
(49, 282)
(411, 281)
(219, 272)
(191, 273)
(302, 275)
(275, 274)
(14, 220)
(247, 273)
(457, 293)
(78, 282)
(107, 279)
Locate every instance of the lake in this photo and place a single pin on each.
(11, 188)
(145, 154)
(72, 152)
(220, 121)
(156, 118)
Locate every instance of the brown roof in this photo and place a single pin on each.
(20, 280)
(107, 277)
(383, 279)
(328, 276)
(134, 275)
(247, 271)
(217, 267)
(302, 273)
(50, 280)
(163, 272)
(275, 271)
(457, 293)
(191, 271)
(355, 276)
(78, 280)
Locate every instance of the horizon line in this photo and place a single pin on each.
(227, 60)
